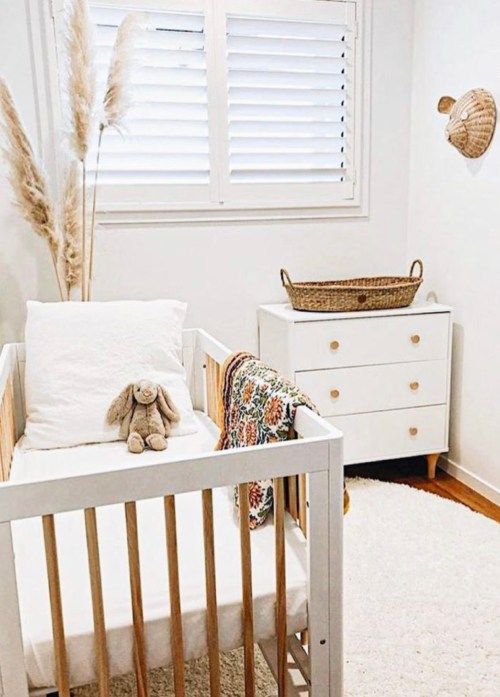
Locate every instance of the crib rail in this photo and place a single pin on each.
(209, 471)
(315, 460)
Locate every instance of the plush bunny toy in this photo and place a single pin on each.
(146, 413)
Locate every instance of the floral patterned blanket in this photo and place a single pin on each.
(259, 407)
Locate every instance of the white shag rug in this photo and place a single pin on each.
(422, 596)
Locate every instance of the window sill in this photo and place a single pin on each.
(152, 216)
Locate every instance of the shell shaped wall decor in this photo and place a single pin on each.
(472, 121)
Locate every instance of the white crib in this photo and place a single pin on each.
(308, 481)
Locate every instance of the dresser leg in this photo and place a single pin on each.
(431, 465)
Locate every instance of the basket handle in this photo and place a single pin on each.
(417, 262)
(284, 274)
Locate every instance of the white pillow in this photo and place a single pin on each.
(79, 356)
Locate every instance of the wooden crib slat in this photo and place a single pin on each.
(136, 595)
(213, 380)
(292, 485)
(7, 431)
(246, 577)
(4, 448)
(281, 633)
(100, 641)
(211, 593)
(60, 654)
(293, 507)
(303, 503)
(176, 635)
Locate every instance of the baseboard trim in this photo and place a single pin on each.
(473, 481)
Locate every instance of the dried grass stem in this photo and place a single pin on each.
(28, 181)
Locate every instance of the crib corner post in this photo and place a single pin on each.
(325, 494)
(336, 515)
(13, 679)
(319, 582)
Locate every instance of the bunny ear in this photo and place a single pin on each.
(121, 405)
(166, 406)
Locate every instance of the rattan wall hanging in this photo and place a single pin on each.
(472, 121)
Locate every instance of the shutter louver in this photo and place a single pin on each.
(287, 96)
(165, 137)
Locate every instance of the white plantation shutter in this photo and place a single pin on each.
(237, 104)
(289, 111)
(286, 80)
(162, 151)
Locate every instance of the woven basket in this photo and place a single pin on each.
(351, 295)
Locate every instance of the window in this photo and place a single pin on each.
(236, 105)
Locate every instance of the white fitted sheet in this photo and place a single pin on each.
(33, 589)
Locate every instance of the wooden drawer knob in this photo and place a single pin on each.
(415, 339)
(335, 394)
(334, 345)
(414, 385)
(413, 431)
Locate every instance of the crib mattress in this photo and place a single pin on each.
(75, 583)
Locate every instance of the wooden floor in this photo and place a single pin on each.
(414, 473)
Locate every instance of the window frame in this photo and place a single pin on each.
(214, 200)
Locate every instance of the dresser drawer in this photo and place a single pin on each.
(375, 388)
(391, 434)
(370, 341)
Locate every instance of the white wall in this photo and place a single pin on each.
(25, 267)
(454, 218)
(226, 271)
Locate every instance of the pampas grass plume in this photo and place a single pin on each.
(117, 98)
(28, 182)
(81, 76)
(26, 177)
(115, 105)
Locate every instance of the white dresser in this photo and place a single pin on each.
(381, 377)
